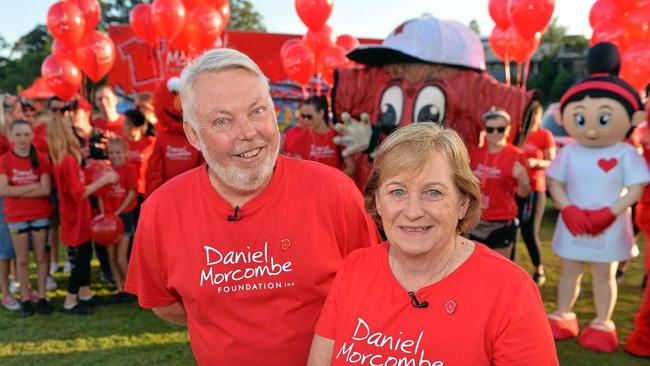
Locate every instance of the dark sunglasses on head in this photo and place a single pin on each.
(308, 117)
(493, 129)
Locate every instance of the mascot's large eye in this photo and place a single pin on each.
(430, 105)
(604, 119)
(579, 120)
(390, 107)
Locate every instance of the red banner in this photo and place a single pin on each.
(138, 66)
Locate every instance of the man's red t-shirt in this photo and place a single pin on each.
(498, 186)
(118, 191)
(534, 147)
(172, 155)
(486, 312)
(19, 172)
(252, 282)
(316, 147)
(109, 126)
(138, 154)
(74, 210)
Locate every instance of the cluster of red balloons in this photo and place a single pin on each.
(191, 26)
(77, 46)
(519, 24)
(319, 51)
(625, 23)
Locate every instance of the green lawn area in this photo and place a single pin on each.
(126, 335)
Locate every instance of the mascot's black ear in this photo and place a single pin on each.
(604, 58)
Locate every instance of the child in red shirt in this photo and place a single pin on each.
(75, 211)
(25, 185)
(120, 201)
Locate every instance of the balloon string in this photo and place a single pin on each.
(526, 70)
(507, 69)
(520, 70)
(318, 84)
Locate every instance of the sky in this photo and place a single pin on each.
(360, 18)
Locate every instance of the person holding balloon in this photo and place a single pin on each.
(25, 186)
(120, 201)
(75, 211)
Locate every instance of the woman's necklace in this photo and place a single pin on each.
(445, 268)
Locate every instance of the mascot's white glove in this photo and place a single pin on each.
(355, 135)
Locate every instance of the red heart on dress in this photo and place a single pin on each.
(607, 164)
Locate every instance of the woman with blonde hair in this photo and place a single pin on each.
(427, 292)
(74, 209)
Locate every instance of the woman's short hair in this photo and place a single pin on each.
(409, 149)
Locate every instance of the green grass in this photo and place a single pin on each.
(126, 335)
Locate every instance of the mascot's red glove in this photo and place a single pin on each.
(576, 220)
(600, 219)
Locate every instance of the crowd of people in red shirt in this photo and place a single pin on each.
(60, 166)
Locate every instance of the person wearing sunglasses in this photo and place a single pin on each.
(315, 141)
(501, 169)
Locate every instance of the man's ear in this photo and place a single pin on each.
(637, 118)
(191, 135)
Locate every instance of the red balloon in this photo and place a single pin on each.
(603, 10)
(499, 43)
(530, 16)
(189, 39)
(94, 170)
(61, 76)
(225, 13)
(66, 23)
(635, 65)
(210, 24)
(71, 53)
(92, 12)
(314, 13)
(609, 31)
(141, 22)
(96, 55)
(106, 229)
(168, 17)
(299, 63)
(637, 24)
(521, 49)
(499, 12)
(347, 42)
(510, 45)
(320, 40)
(626, 5)
(332, 58)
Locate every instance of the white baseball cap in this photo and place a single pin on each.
(426, 39)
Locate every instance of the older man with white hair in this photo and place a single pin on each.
(243, 249)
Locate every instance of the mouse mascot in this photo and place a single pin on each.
(426, 70)
(172, 153)
(594, 181)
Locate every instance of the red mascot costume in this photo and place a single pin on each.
(638, 343)
(426, 70)
(172, 153)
